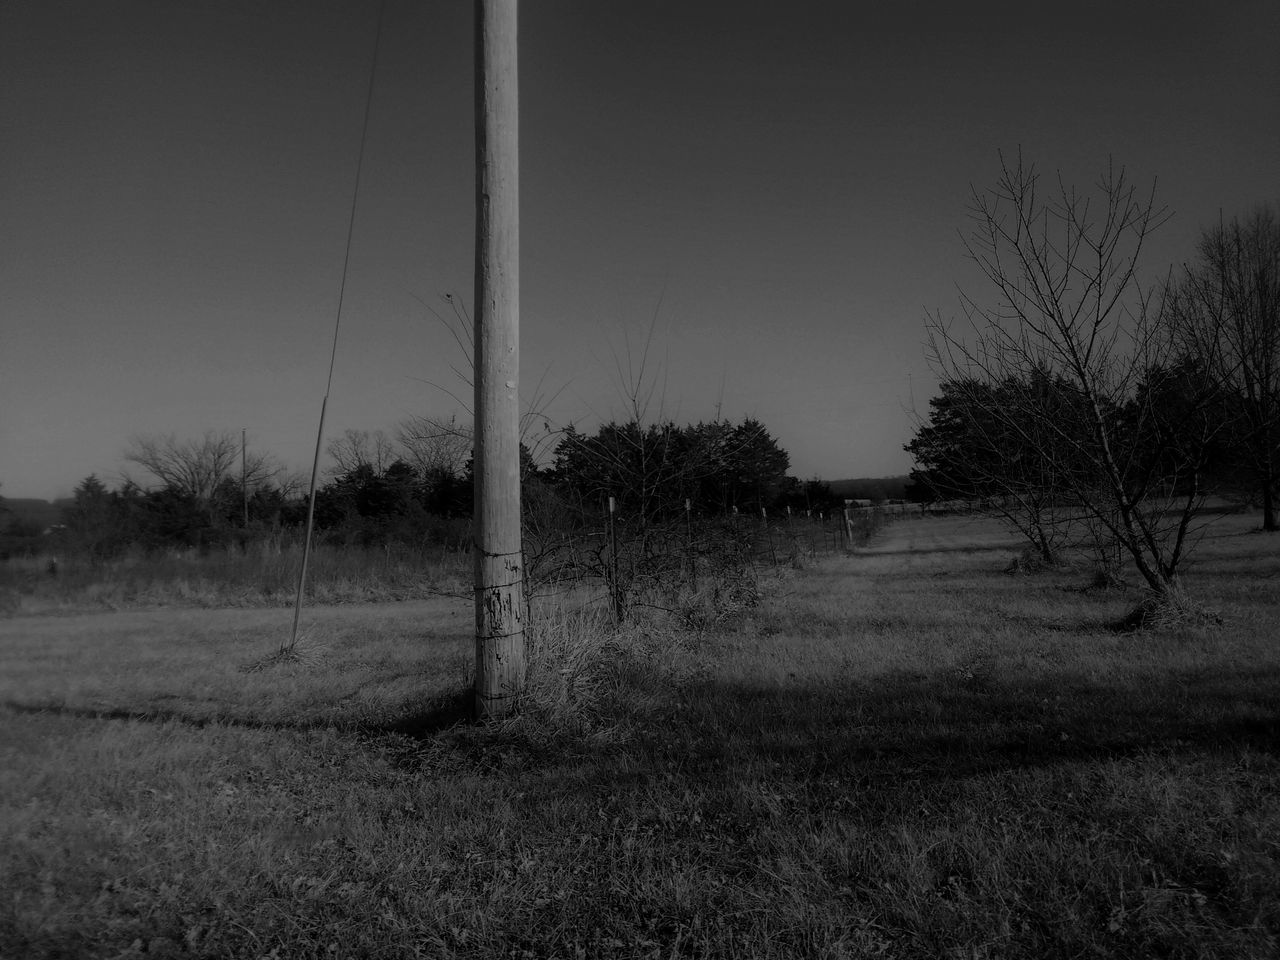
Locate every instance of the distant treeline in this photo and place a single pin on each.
(416, 488)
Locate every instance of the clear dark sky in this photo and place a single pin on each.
(779, 184)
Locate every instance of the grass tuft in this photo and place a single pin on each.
(570, 654)
(1106, 577)
(1162, 611)
(1029, 562)
(588, 677)
(310, 648)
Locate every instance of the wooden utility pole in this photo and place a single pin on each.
(499, 569)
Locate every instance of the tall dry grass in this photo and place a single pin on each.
(265, 572)
(261, 574)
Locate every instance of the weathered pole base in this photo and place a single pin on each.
(500, 658)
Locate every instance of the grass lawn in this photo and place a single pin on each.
(902, 753)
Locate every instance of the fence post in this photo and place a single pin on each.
(615, 587)
(768, 532)
(689, 545)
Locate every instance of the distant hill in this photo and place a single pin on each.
(37, 512)
(872, 488)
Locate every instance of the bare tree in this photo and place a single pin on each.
(359, 448)
(1226, 308)
(197, 467)
(437, 443)
(1070, 307)
(436, 447)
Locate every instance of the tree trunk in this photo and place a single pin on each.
(1046, 551)
(499, 573)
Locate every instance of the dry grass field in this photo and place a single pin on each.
(902, 753)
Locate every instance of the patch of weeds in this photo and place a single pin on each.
(726, 600)
(1106, 577)
(1163, 610)
(588, 677)
(1030, 562)
(975, 671)
(567, 652)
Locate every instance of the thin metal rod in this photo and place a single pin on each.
(306, 543)
(244, 474)
(337, 323)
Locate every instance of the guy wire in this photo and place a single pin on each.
(337, 323)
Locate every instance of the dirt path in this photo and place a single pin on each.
(928, 541)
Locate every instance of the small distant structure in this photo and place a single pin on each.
(859, 503)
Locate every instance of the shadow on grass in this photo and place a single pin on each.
(916, 728)
(930, 728)
(442, 713)
(954, 728)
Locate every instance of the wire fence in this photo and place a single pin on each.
(618, 559)
(630, 560)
